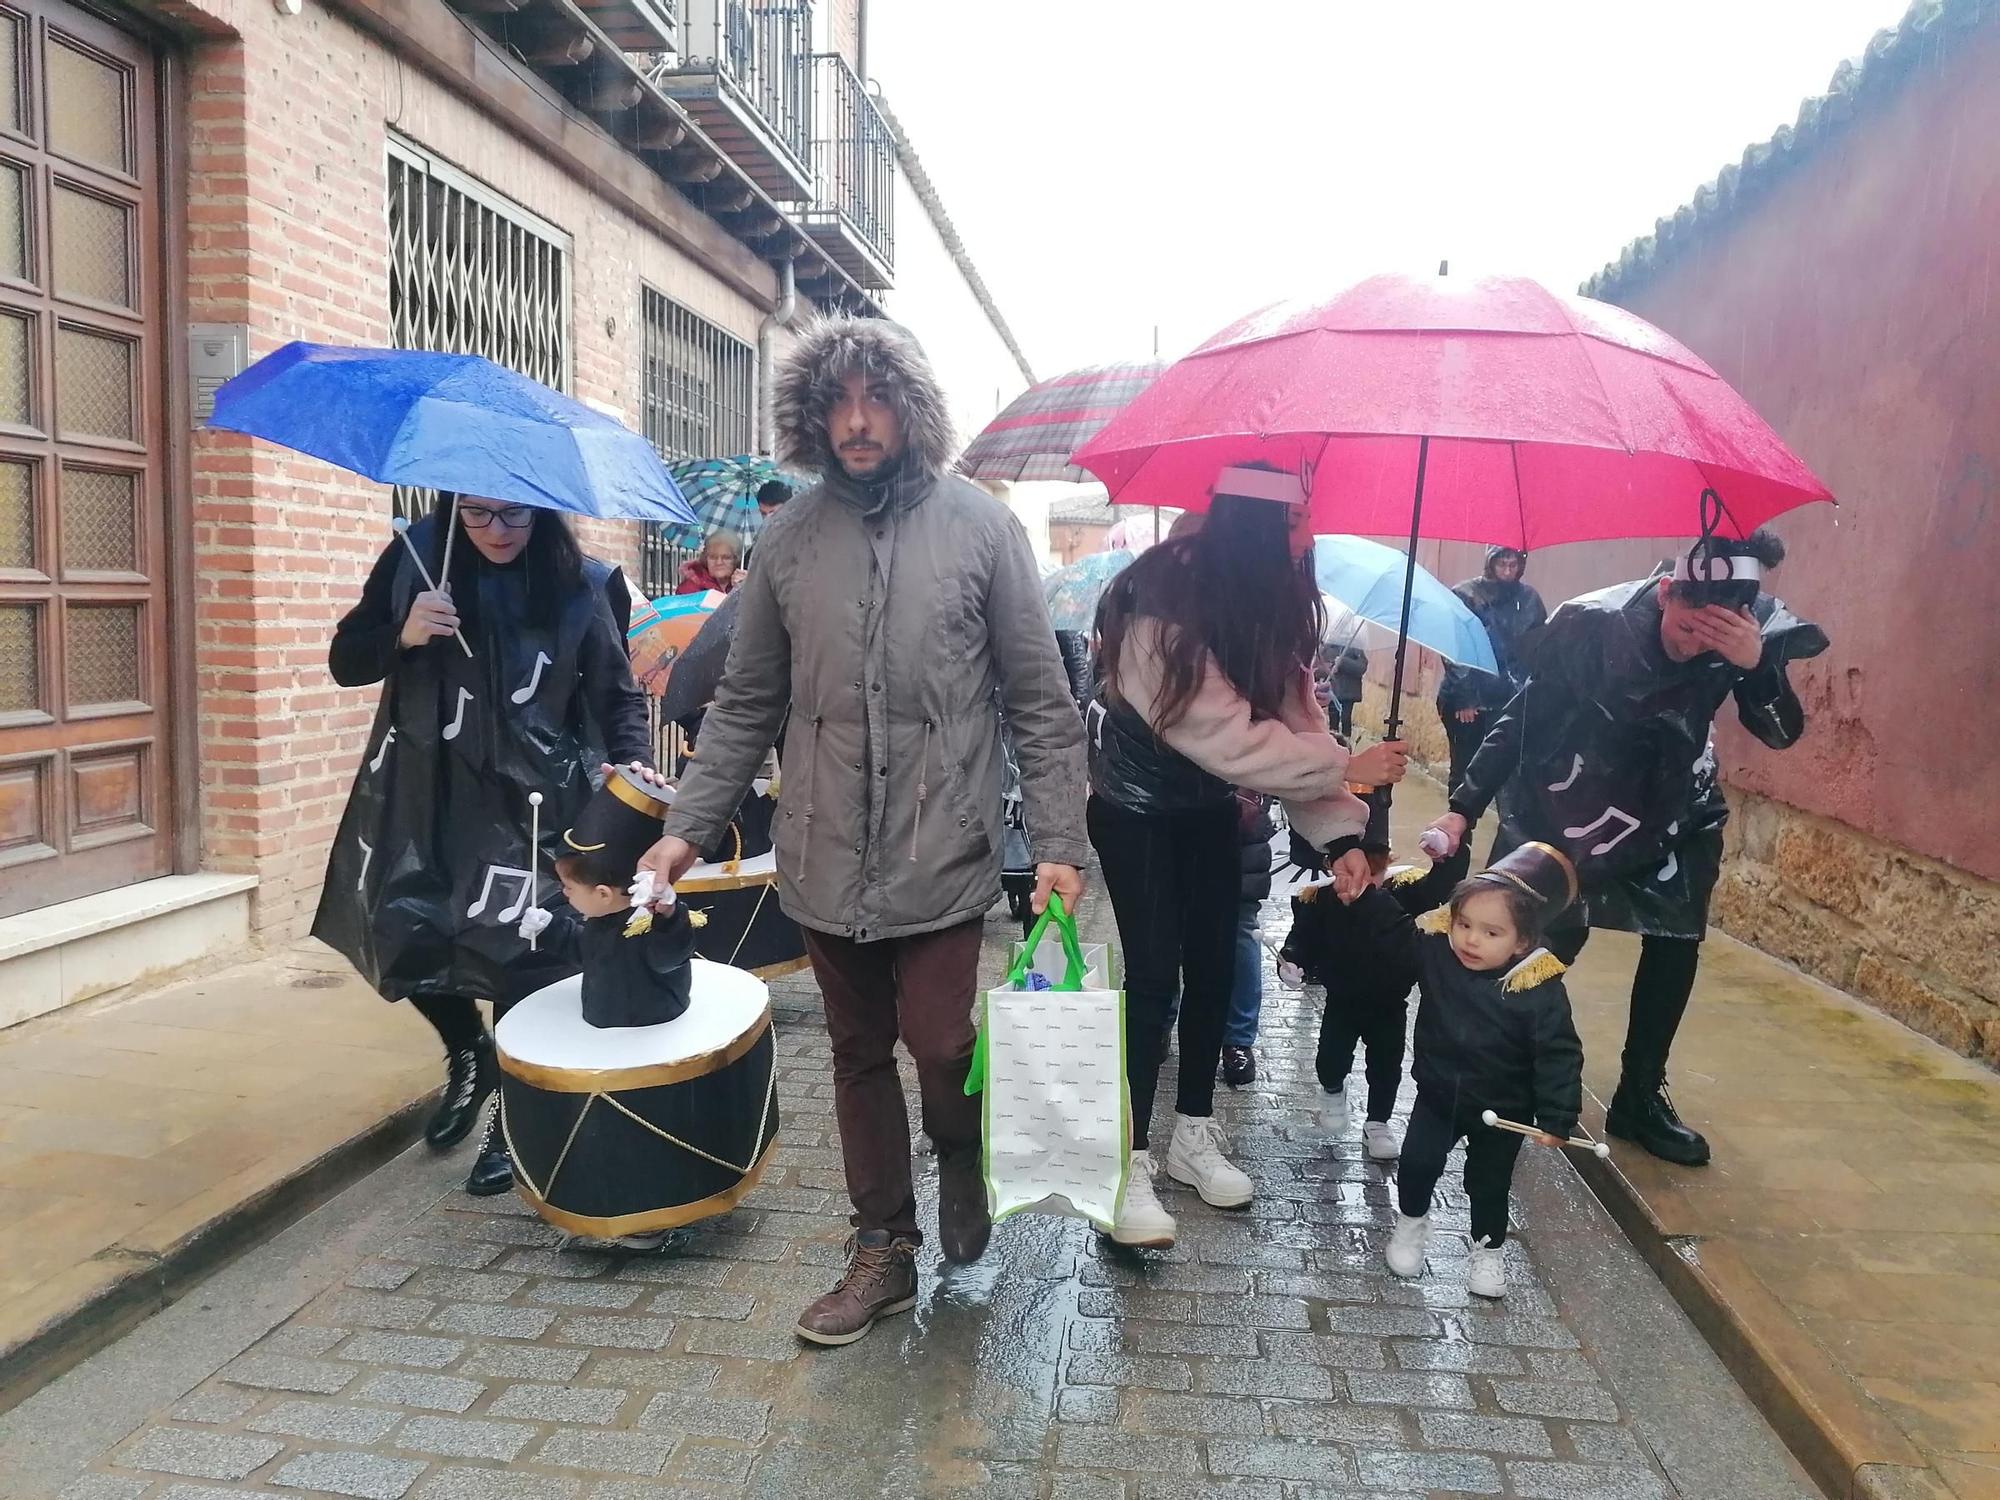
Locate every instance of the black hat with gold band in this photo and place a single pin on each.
(1538, 870)
(619, 824)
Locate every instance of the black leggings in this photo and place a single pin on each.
(455, 1018)
(1661, 986)
(1175, 881)
(1381, 1028)
(1464, 741)
(1489, 1164)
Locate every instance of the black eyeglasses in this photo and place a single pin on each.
(479, 517)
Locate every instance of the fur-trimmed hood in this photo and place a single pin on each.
(809, 376)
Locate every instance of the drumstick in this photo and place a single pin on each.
(450, 533)
(401, 526)
(1595, 1148)
(534, 860)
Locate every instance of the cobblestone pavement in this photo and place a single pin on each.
(1268, 1355)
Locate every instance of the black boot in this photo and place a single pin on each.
(493, 1169)
(1645, 1115)
(468, 1079)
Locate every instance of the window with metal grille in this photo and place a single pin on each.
(471, 272)
(698, 387)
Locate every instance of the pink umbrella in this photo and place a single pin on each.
(1482, 409)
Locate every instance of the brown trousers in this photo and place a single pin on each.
(920, 988)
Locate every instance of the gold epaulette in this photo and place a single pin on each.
(1408, 876)
(1309, 895)
(1438, 919)
(642, 922)
(1538, 968)
(697, 920)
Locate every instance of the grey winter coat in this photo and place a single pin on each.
(896, 621)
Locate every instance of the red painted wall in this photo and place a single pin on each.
(1857, 306)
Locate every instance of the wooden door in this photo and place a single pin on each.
(83, 671)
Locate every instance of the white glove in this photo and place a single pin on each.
(534, 923)
(1291, 974)
(644, 895)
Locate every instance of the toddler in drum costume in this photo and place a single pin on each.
(1493, 1033)
(1355, 959)
(635, 963)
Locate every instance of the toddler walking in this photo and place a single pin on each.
(1357, 959)
(1493, 1032)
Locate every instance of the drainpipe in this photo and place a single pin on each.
(767, 375)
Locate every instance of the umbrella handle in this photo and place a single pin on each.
(1394, 725)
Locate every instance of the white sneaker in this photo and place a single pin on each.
(1141, 1222)
(1381, 1140)
(1196, 1158)
(1486, 1270)
(1333, 1117)
(1406, 1245)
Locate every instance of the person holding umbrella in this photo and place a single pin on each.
(1608, 754)
(1205, 685)
(1469, 700)
(432, 866)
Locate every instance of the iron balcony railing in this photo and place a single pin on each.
(760, 50)
(854, 156)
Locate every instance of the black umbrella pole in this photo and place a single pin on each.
(1409, 584)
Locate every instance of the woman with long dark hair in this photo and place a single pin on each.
(509, 679)
(1205, 685)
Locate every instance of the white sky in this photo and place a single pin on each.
(1117, 164)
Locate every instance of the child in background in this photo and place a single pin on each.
(1493, 1032)
(1356, 960)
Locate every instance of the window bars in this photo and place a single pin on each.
(471, 272)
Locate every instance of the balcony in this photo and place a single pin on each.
(635, 25)
(852, 213)
(744, 72)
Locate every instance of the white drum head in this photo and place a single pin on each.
(547, 1028)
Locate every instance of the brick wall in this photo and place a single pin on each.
(287, 232)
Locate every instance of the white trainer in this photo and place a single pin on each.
(1142, 1224)
(1195, 1158)
(1380, 1137)
(1486, 1270)
(1333, 1116)
(1406, 1245)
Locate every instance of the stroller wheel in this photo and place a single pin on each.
(1017, 905)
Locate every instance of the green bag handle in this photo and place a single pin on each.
(1072, 980)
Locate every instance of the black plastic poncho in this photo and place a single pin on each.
(431, 869)
(1608, 754)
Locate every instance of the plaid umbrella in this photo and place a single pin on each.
(1034, 437)
(723, 494)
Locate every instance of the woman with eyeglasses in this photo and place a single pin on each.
(508, 679)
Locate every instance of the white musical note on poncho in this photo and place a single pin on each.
(522, 695)
(458, 720)
(1575, 770)
(382, 751)
(506, 872)
(1585, 830)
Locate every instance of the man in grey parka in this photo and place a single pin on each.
(896, 611)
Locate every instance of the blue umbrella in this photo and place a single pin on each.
(450, 422)
(1367, 577)
(1072, 593)
(723, 494)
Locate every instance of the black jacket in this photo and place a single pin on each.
(1610, 753)
(640, 980)
(1075, 648)
(1509, 611)
(1350, 670)
(1255, 830)
(1501, 1040)
(1361, 951)
(1133, 768)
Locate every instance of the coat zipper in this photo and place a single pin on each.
(923, 789)
(812, 764)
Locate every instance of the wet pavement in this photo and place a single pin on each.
(407, 1340)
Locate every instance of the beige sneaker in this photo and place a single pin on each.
(1195, 1158)
(1486, 1270)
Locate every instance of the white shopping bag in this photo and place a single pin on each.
(1100, 962)
(1057, 1121)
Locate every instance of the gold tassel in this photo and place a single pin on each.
(1436, 920)
(1540, 968)
(1309, 895)
(642, 922)
(1409, 876)
(697, 919)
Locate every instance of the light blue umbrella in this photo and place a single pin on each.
(1072, 593)
(1367, 578)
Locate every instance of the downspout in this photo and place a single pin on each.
(767, 374)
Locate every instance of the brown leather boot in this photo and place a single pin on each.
(964, 1221)
(881, 1279)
